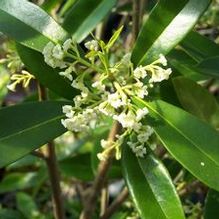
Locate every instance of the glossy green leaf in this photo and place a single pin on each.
(46, 75)
(197, 100)
(191, 141)
(28, 126)
(166, 26)
(211, 210)
(85, 15)
(199, 47)
(29, 24)
(150, 186)
(77, 167)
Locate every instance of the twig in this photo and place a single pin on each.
(54, 176)
(100, 178)
(116, 204)
(53, 169)
(104, 199)
(136, 14)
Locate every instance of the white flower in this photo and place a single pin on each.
(127, 120)
(57, 52)
(67, 45)
(162, 60)
(145, 133)
(140, 72)
(140, 89)
(92, 45)
(102, 156)
(67, 73)
(141, 113)
(116, 101)
(140, 151)
(106, 109)
(68, 110)
(99, 85)
(160, 74)
(105, 144)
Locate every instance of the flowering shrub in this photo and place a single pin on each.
(121, 125)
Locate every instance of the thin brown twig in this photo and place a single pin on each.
(54, 176)
(136, 13)
(53, 168)
(38, 154)
(100, 178)
(104, 199)
(116, 204)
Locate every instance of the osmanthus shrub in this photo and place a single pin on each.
(140, 114)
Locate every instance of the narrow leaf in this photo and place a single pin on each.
(29, 24)
(85, 15)
(197, 100)
(28, 126)
(150, 186)
(200, 47)
(192, 142)
(211, 210)
(167, 21)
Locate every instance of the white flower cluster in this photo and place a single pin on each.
(110, 93)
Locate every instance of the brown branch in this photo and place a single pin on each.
(53, 168)
(100, 178)
(136, 14)
(104, 199)
(116, 204)
(38, 154)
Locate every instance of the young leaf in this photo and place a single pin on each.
(85, 15)
(211, 210)
(49, 77)
(114, 38)
(167, 21)
(150, 186)
(29, 24)
(28, 126)
(197, 100)
(192, 142)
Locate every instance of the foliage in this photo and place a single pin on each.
(128, 123)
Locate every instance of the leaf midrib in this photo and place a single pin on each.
(180, 132)
(30, 128)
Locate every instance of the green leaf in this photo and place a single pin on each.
(28, 126)
(9, 214)
(29, 24)
(191, 141)
(167, 21)
(150, 186)
(211, 210)
(85, 15)
(199, 47)
(78, 167)
(209, 66)
(18, 181)
(27, 206)
(197, 100)
(49, 5)
(48, 76)
(114, 38)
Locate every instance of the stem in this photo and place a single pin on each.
(116, 204)
(87, 64)
(53, 168)
(136, 14)
(104, 199)
(100, 177)
(54, 176)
